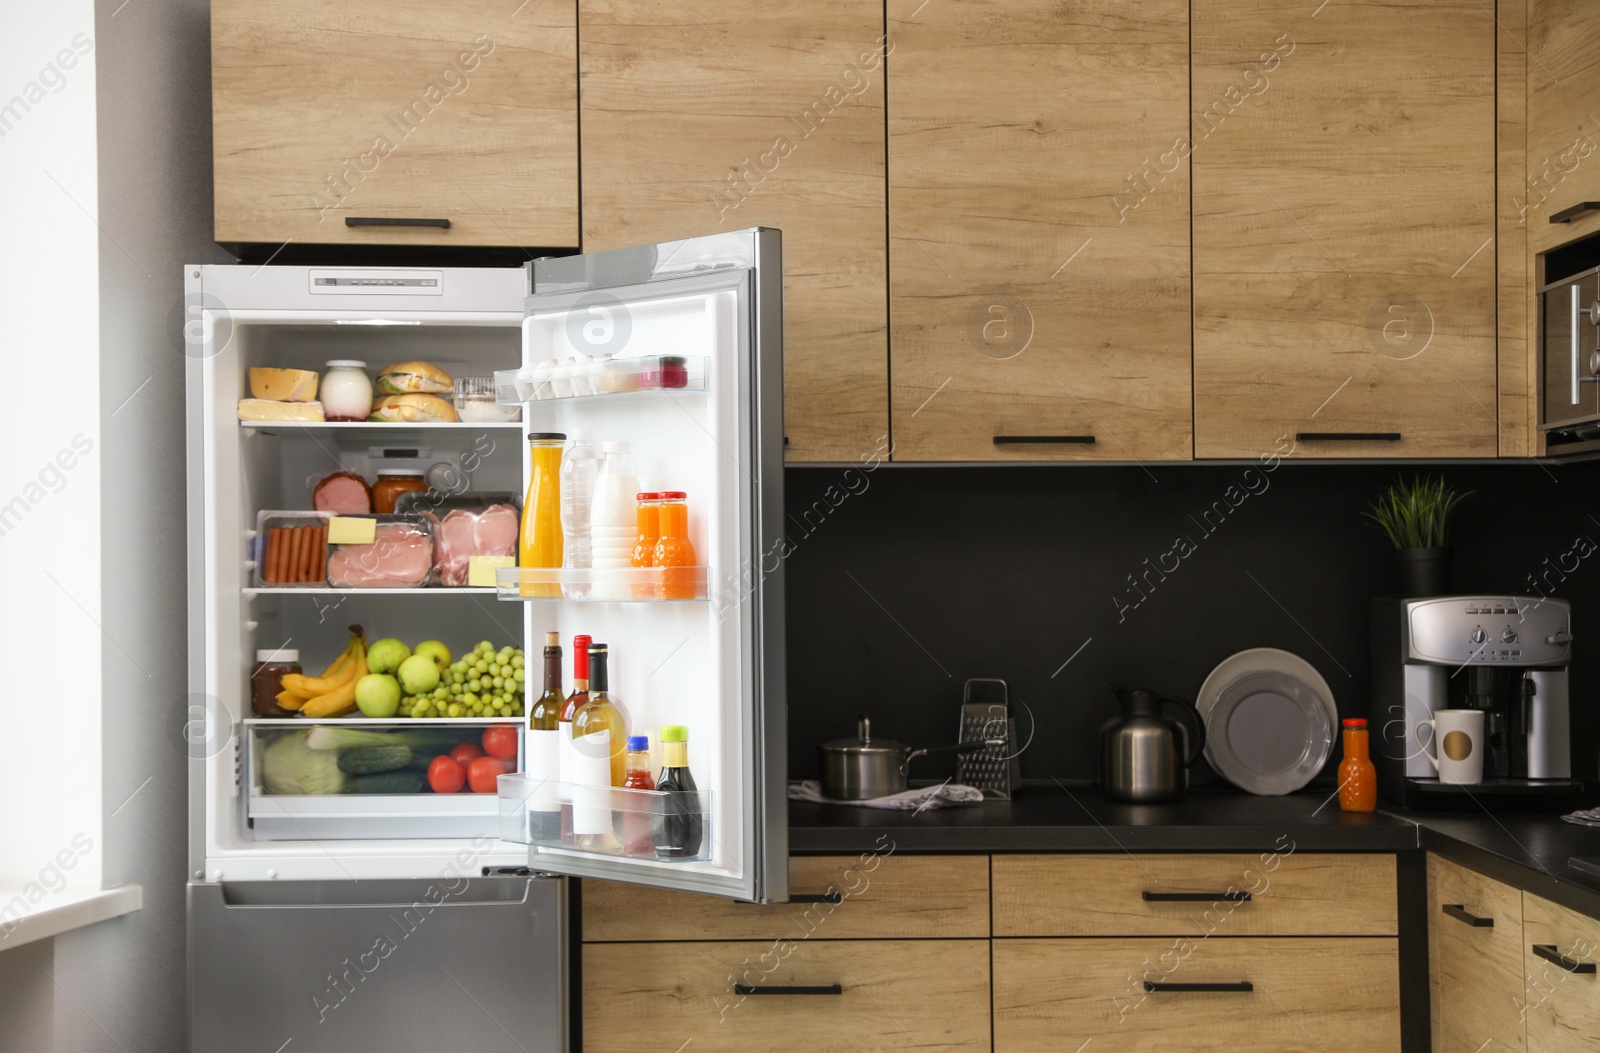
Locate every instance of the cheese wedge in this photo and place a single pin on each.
(280, 412)
(283, 385)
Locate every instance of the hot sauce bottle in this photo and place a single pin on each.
(1358, 780)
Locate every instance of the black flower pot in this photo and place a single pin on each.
(1424, 572)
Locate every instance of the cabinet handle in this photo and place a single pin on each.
(818, 897)
(1043, 440)
(1572, 212)
(380, 221)
(1242, 985)
(1234, 895)
(1551, 954)
(1459, 912)
(1348, 436)
(1575, 310)
(823, 989)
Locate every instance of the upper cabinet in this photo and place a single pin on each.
(715, 115)
(1344, 229)
(395, 122)
(1039, 230)
(1563, 121)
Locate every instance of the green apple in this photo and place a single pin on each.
(378, 695)
(437, 651)
(419, 674)
(386, 655)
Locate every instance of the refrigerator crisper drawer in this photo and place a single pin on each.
(451, 962)
(296, 792)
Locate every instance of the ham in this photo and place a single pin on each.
(464, 533)
(343, 494)
(400, 557)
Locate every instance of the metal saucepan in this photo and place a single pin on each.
(863, 768)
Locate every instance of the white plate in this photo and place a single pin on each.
(1270, 720)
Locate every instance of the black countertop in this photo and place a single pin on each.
(1527, 851)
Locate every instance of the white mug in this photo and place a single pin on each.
(1458, 736)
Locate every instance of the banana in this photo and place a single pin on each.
(341, 700)
(337, 666)
(290, 701)
(311, 687)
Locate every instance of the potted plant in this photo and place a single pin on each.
(1416, 516)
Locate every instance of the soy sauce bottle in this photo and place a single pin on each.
(680, 824)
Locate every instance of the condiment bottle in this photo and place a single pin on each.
(266, 680)
(346, 391)
(680, 823)
(392, 482)
(674, 551)
(638, 821)
(541, 541)
(1358, 780)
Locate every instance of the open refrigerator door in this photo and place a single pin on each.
(675, 350)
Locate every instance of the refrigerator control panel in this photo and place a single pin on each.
(348, 280)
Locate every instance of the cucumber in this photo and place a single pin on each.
(372, 760)
(386, 782)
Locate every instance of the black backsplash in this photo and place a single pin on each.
(905, 581)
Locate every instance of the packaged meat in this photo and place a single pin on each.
(343, 494)
(291, 548)
(400, 556)
(465, 525)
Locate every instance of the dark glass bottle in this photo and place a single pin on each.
(544, 747)
(680, 826)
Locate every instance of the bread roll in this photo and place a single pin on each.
(405, 378)
(413, 409)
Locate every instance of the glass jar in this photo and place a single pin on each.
(346, 391)
(392, 482)
(266, 680)
(674, 555)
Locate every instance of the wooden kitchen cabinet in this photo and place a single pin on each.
(715, 115)
(1039, 230)
(1285, 995)
(1475, 949)
(395, 110)
(1563, 167)
(1563, 995)
(890, 995)
(1344, 229)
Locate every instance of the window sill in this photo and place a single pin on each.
(63, 913)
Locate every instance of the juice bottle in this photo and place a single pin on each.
(638, 823)
(644, 550)
(674, 551)
(1358, 781)
(541, 541)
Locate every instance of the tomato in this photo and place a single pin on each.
(445, 775)
(465, 754)
(482, 773)
(500, 742)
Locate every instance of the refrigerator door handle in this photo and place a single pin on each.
(444, 891)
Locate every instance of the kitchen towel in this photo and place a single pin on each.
(922, 799)
(1588, 818)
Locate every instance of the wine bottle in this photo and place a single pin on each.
(544, 749)
(580, 695)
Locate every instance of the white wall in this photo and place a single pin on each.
(50, 762)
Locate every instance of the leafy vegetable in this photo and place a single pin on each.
(344, 737)
(290, 766)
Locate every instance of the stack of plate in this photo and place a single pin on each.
(1270, 720)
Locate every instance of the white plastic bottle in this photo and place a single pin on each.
(580, 467)
(614, 521)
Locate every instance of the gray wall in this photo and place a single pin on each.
(119, 987)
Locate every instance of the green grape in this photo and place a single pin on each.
(498, 682)
(454, 710)
(519, 676)
(517, 661)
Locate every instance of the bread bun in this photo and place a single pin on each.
(405, 378)
(413, 409)
(283, 385)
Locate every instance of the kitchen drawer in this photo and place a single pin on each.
(1289, 895)
(1309, 995)
(1474, 960)
(880, 897)
(911, 995)
(1563, 1006)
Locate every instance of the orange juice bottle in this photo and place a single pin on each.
(644, 550)
(1358, 780)
(541, 542)
(674, 553)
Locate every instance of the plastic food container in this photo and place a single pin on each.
(464, 526)
(291, 549)
(400, 556)
(475, 402)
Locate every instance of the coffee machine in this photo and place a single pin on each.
(1505, 655)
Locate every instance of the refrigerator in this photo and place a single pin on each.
(322, 918)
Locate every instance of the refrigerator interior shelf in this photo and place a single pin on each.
(376, 724)
(622, 585)
(602, 378)
(328, 590)
(604, 820)
(371, 429)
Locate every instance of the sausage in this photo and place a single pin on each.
(272, 554)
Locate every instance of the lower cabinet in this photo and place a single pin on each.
(1228, 994)
(1560, 952)
(788, 994)
(1475, 948)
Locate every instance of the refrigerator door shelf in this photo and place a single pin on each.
(620, 585)
(602, 377)
(651, 825)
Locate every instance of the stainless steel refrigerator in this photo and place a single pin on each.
(325, 919)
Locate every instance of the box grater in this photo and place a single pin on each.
(995, 769)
